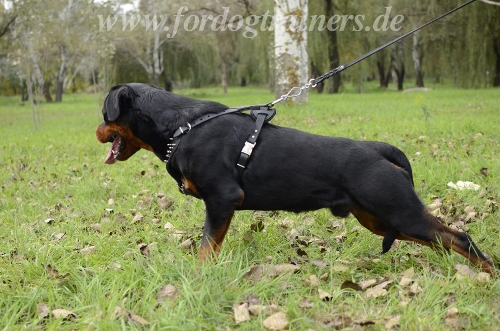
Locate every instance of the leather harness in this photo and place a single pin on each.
(260, 113)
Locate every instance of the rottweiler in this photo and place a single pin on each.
(288, 170)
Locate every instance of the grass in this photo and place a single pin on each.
(86, 237)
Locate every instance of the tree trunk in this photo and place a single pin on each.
(381, 74)
(62, 73)
(290, 38)
(36, 69)
(416, 60)
(398, 66)
(333, 50)
(496, 45)
(223, 76)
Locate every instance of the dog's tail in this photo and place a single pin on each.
(393, 155)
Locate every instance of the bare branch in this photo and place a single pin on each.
(6, 28)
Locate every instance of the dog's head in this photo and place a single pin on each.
(144, 116)
(127, 124)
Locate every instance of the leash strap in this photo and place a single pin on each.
(295, 91)
(186, 128)
(263, 115)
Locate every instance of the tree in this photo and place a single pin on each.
(333, 49)
(290, 42)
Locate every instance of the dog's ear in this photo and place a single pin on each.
(117, 98)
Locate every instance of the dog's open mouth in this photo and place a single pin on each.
(116, 148)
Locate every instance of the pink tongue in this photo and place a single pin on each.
(111, 158)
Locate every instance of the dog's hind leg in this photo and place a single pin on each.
(378, 227)
(390, 236)
(433, 233)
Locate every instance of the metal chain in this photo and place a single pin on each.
(315, 81)
(299, 90)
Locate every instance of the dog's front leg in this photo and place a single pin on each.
(219, 212)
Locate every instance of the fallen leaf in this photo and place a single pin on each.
(367, 283)
(311, 281)
(49, 221)
(482, 277)
(166, 292)
(168, 226)
(276, 321)
(392, 322)
(252, 299)
(339, 322)
(319, 263)
(42, 310)
(405, 281)
(375, 292)
(137, 218)
(415, 288)
(187, 244)
(464, 271)
(165, 203)
(257, 310)
(259, 271)
(63, 313)
(115, 265)
(59, 236)
(305, 303)
(87, 250)
(451, 312)
(323, 295)
(129, 316)
(241, 312)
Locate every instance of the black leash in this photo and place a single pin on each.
(264, 113)
(313, 82)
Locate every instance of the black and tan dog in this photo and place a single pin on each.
(289, 169)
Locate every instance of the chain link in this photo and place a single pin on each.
(299, 90)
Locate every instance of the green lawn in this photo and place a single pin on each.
(99, 244)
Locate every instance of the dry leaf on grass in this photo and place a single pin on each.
(339, 322)
(166, 292)
(63, 313)
(187, 244)
(311, 281)
(392, 322)
(241, 312)
(42, 310)
(259, 271)
(375, 292)
(305, 303)
(87, 250)
(120, 312)
(277, 321)
(323, 295)
(256, 310)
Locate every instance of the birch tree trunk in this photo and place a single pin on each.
(290, 42)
